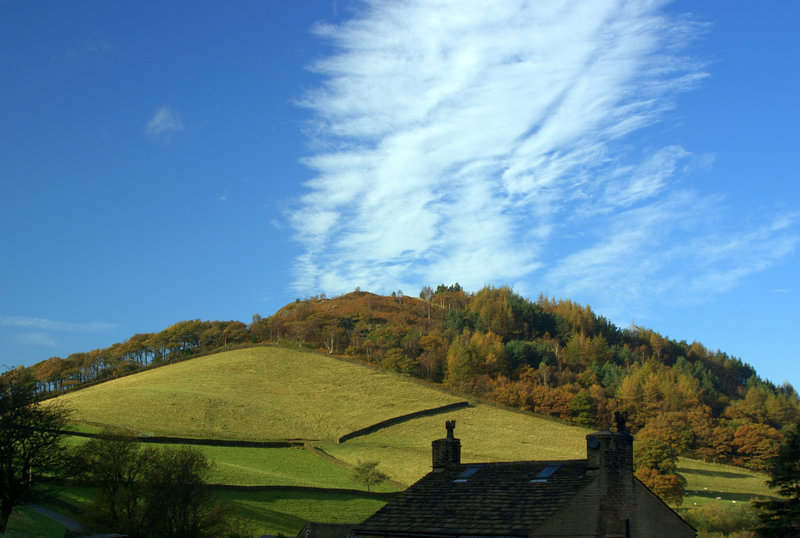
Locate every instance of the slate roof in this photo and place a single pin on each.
(499, 499)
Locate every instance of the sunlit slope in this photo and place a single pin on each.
(262, 393)
(487, 433)
(714, 481)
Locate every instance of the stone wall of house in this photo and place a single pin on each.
(654, 518)
(648, 517)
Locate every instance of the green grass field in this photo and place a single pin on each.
(245, 466)
(278, 467)
(487, 433)
(285, 512)
(262, 393)
(275, 393)
(713, 481)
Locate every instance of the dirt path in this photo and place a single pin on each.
(69, 523)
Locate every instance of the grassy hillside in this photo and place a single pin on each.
(279, 467)
(276, 393)
(262, 393)
(487, 433)
(713, 481)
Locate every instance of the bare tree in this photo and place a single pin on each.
(30, 440)
(368, 474)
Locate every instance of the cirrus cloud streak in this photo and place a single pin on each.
(491, 143)
(42, 324)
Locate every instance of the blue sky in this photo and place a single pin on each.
(169, 161)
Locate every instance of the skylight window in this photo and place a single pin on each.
(463, 477)
(546, 473)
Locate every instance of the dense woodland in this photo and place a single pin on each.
(552, 357)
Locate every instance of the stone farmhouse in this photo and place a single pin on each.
(596, 496)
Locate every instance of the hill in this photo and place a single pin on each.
(272, 393)
(260, 394)
(551, 357)
(555, 358)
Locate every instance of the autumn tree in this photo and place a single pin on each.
(756, 445)
(461, 364)
(655, 460)
(493, 312)
(434, 346)
(489, 353)
(669, 487)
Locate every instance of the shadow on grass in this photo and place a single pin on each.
(723, 496)
(301, 494)
(714, 474)
(287, 511)
(267, 519)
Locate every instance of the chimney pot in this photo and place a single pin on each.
(446, 451)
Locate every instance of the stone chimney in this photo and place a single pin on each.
(610, 455)
(446, 451)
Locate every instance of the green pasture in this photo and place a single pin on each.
(274, 466)
(251, 466)
(261, 393)
(84, 428)
(278, 467)
(713, 481)
(487, 433)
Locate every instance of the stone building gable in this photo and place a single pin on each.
(649, 516)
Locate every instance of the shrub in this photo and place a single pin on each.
(723, 517)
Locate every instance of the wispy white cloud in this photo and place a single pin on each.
(164, 124)
(41, 324)
(728, 259)
(491, 142)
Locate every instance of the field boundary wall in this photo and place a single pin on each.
(193, 441)
(306, 489)
(402, 418)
